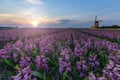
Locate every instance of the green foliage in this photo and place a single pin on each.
(72, 43)
(1, 45)
(9, 63)
(103, 59)
(75, 73)
(72, 58)
(9, 73)
(66, 76)
(33, 67)
(38, 74)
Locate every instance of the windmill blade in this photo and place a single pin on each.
(95, 18)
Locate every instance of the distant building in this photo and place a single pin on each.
(96, 23)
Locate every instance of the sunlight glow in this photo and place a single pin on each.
(35, 23)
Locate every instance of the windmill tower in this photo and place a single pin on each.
(96, 23)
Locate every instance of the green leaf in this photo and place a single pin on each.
(65, 76)
(49, 60)
(57, 55)
(85, 78)
(55, 63)
(9, 73)
(44, 76)
(8, 63)
(75, 73)
(38, 74)
(72, 57)
(35, 51)
(32, 66)
(30, 79)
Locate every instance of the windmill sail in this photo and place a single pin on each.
(96, 22)
(95, 18)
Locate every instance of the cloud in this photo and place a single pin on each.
(64, 21)
(9, 19)
(35, 1)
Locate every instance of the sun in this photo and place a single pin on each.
(35, 23)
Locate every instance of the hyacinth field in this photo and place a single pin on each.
(59, 54)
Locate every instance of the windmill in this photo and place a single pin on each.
(96, 23)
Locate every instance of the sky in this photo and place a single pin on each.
(58, 13)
